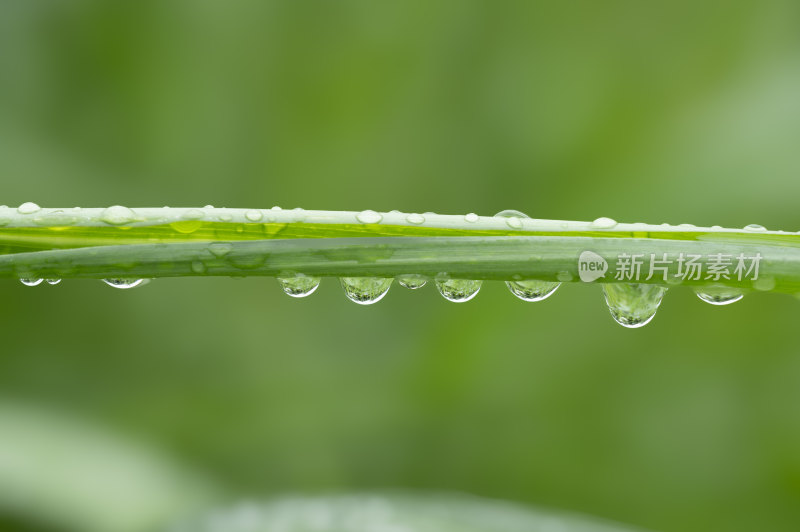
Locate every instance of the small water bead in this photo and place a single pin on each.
(471, 217)
(123, 284)
(532, 290)
(719, 295)
(28, 208)
(415, 219)
(412, 281)
(299, 286)
(365, 290)
(254, 215)
(52, 282)
(117, 215)
(369, 217)
(193, 214)
(198, 267)
(604, 223)
(755, 228)
(633, 305)
(458, 290)
(513, 218)
(220, 249)
(30, 281)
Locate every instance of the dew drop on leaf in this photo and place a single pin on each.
(532, 290)
(31, 281)
(117, 215)
(633, 305)
(458, 290)
(299, 285)
(28, 208)
(123, 284)
(415, 219)
(719, 295)
(471, 217)
(365, 290)
(412, 281)
(604, 223)
(52, 282)
(369, 217)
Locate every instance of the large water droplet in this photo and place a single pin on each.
(52, 282)
(30, 281)
(633, 305)
(471, 217)
(415, 219)
(412, 281)
(458, 290)
(123, 284)
(513, 218)
(532, 290)
(117, 215)
(719, 295)
(365, 290)
(604, 223)
(369, 217)
(254, 215)
(28, 208)
(755, 228)
(300, 285)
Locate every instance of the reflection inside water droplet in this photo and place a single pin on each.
(633, 305)
(458, 290)
(412, 281)
(299, 285)
(532, 290)
(365, 290)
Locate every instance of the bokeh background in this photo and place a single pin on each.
(119, 410)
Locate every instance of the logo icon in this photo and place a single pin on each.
(591, 266)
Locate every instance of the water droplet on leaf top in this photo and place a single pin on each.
(369, 217)
(633, 305)
(299, 285)
(532, 290)
(415, 219)
(471, 217)
(412, 281)
(28, 208)
(604, 223)
(365, 290)
(755, 228)
(117, 215)
(123, 284)
(513, 218)
(254, 216)
(458, 290)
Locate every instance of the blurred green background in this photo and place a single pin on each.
(680, 112)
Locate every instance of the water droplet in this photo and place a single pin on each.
(755, 228)
(764, 284)
(123, 284)
(458, 290)
(276, 208)
(198, 267)
(117, 215)
(719, 295)
(193, 214)
(225, 217)
(220, 249)
(415, 219)
(300, 285)
(604, 223)
(365, 290)
(471, 217)
(369, 217)
(29, 281)
(254, 216)
(187, 227)
(532, 290)
(28, 208)
(633, 305)
(412, 281)
(52, 282)
(513, 218)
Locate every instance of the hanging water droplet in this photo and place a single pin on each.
(471, 217)
(300, 285)
(719, 295)
(254, 215)
(365, 290)
(755, 228)
(458, 290)
(369, 217)
(52, 282)
(604, 223)
(28, 208)
(412, 281)
(123, 284)
(30, 281)
(532, 290)
(117, 215)
(415, 219)
(633, 305)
